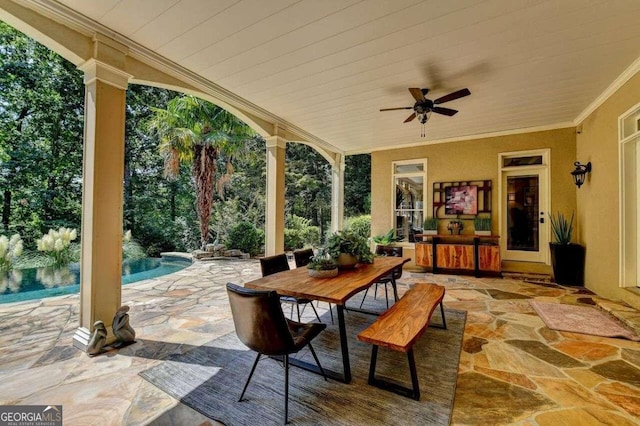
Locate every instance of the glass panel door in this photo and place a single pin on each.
(523, 211)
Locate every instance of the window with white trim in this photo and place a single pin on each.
(409, 179)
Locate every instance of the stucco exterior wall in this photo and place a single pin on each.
(476, 160)
(598, 200)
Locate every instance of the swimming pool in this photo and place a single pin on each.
(37, 283)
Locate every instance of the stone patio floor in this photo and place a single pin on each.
(513, 369)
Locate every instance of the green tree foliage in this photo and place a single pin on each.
(357, 185)
(206, 137)
(41, 123)
(299, 232)
(308, 185)
(159, 212)
(359, 225)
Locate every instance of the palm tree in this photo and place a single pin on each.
(208, 138)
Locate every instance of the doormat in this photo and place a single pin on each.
(581, 319)
(210, 378)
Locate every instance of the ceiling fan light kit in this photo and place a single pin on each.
(423, 107)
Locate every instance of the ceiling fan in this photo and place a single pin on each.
(424, 107)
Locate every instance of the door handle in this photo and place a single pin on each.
(542, 220)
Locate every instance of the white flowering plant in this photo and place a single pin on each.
(56, 244)
(10, 249)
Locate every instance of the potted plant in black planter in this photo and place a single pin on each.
(385, 242)
(348, 248)
(567, 258)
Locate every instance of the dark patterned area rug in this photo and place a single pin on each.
(210, 379)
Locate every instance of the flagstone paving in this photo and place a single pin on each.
(513, 369)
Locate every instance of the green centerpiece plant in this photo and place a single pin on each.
(348, 249)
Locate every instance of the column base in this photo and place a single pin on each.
(83, 335)
(81, 338)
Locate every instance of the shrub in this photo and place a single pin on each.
(299, 233)
(56, 245)
(359, 225)
(10, 250)
(246, 237)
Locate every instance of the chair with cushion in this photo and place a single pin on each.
(261, 325)
(278, 263)
(395, 275)
(302, 258)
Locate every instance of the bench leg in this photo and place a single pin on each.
(414, 392)
(414, 375)
(444, 320)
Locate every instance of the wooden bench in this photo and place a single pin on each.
(399, 328)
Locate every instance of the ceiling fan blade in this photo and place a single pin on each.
(444, 111)
(411, 117)
(395, 109)
(416, 93)
(451, 96)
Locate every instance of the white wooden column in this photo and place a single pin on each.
(102, 197)
(274, 226)
(337, 193)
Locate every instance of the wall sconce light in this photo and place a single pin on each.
(511, 196)
(580, 173)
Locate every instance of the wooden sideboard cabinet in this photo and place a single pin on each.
(475, 254)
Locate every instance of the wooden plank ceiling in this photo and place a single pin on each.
(329, 66)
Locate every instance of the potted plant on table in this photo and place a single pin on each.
(385, 242)
(482, 225)
(348, 248)
(567, 258)
(322, 265)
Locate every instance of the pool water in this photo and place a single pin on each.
(37, 283)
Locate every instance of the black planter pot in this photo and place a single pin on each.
(568, 263)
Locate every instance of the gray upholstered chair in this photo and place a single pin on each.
(278, 263)
(261, 325)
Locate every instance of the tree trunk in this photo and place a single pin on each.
(204, 168)
(6, 208)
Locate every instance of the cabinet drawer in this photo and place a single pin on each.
(424, 254)
(455, 256)
(489, 258)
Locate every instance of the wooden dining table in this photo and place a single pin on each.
(337, 290)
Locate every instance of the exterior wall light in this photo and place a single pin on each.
(580, 173)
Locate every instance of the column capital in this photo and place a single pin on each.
(338, 162)
(278, 141)
(96, 70)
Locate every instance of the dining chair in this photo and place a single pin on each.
(395, 275)
(302, 258)
(278, 263)
(261, 325)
